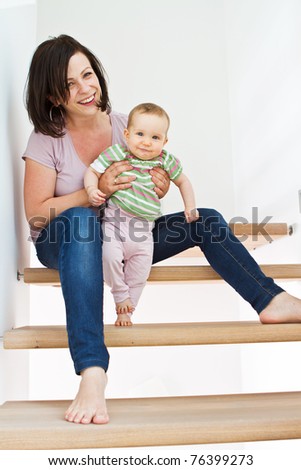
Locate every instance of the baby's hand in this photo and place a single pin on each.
(96, 197)
(191, 215)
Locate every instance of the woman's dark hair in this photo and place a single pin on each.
(47, 78)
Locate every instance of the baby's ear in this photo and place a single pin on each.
(166, 140)
(126, 133)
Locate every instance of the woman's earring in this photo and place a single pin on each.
(50, 113)
(61, 117)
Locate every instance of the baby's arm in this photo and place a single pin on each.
(96, 197)
(186, 189)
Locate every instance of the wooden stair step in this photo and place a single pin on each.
(251, 235)
(289, 272)
(160, 334)
(155, 422)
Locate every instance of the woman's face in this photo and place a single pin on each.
(83, 86)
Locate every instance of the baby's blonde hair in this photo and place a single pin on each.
(148, 108)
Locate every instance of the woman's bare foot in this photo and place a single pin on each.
(89, 405)
(124, 310)
(283, 308)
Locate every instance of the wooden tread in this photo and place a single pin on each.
(155, 422)
(251, 235)
(289, 272)
(160, 334)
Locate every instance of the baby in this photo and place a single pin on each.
(127, 258)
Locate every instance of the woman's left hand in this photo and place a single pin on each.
(161, 180)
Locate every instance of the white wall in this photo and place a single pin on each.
(264, 65)
(17, 37)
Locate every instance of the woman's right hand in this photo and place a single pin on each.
(110, 181)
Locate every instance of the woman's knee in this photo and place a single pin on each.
(209, 222)
(208, 213)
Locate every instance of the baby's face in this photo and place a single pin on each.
(146, 136)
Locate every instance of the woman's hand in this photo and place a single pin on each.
(110, 181)
(161, 180)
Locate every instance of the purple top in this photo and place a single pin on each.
(60, 155)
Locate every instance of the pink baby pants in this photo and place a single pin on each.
(127, 253)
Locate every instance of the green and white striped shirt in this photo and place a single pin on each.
(140, 200)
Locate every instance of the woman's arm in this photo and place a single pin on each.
(41, 206)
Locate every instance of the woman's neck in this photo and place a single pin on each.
(90, 136)
(87, 123)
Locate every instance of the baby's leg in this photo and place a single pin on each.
(137, 267)
(113, 269)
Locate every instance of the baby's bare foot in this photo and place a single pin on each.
(124, 310)
(89, 405)
(124, 307)
(283, 308)
(123, 319)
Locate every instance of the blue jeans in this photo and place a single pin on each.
(72, 243)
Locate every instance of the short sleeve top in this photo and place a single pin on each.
(140, 200)
(60, 155)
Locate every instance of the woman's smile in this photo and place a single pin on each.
(89, 100)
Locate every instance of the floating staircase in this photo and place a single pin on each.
(168, 420)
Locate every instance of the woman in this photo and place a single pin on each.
(68, 104)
